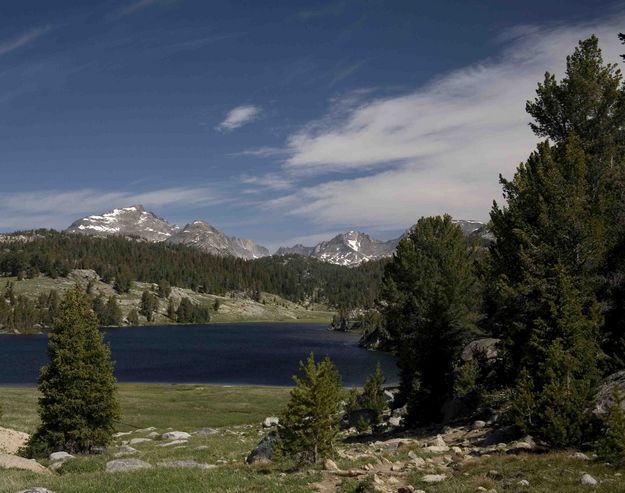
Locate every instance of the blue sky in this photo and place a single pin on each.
(281, 121)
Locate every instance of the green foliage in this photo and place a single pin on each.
(373, 394)
(109, 313)
(123, 279)
(428, 300)
(121, 260)
(133, 317)
(190, 313)
(309, 426)
(551, 268)
(149, 305)
(612, 441)
(78, 405)
(164, 288)
(171, 309)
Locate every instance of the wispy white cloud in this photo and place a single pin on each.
(56, 209)
(131, 8)
(22, 40)
(272, 181)
(436, 149)
(239, 116)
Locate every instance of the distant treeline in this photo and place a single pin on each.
(121, 260)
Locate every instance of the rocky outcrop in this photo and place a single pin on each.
(205, 237)
(487, 348)
(124, 465)
(11, 440)
(8, 461)
(263, 452)
(605, 396)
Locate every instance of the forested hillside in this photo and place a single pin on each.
(121, 261)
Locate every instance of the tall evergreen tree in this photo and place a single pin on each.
(373, 394)
(548, 281)
(78, 406)
(309, 426)
(428, 301)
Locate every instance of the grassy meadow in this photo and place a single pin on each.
(237, 414)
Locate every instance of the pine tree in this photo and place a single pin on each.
(113, 312)
(171, 309)
(149, 304)
(549, 264)
(373, 394)
(428, 303)
(78, 406)
(612, 441)
(164, 289)
(309, 426)
(133, 317)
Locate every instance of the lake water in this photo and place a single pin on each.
(256, 354)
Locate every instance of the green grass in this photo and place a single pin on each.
(163, 406)
(237, 413)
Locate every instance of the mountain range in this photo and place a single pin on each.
(350, 249)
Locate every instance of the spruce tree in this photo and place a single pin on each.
(133, 317)
(549, 268)
(149, 304)
(612, 441)
(373, 394)
(310, 424)
(78, 406)
(429, 296)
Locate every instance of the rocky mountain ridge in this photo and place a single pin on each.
(135, 221)
(349, 249)
(354, 247)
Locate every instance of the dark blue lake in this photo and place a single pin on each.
(255, 354)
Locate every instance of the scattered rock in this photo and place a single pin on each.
(126, 450)
(204, 432)
(122, 434)
(172, 443)
(153, 435)
(185, 464)
(433, 478)
(587, 479)
(36, 489)
(8, 461)
(11, 440)
(123, 465)
(579, 456)
(137, 441)
(394, 421)
(400, 411)
(145, 430)
(479, 424)
(523, 482)
(263, 452)
(270, 421)
(437, 449)
(60, 456)
(176, 435)
(439, 441)
(518, 447)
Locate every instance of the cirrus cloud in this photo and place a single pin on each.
(437, 149)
